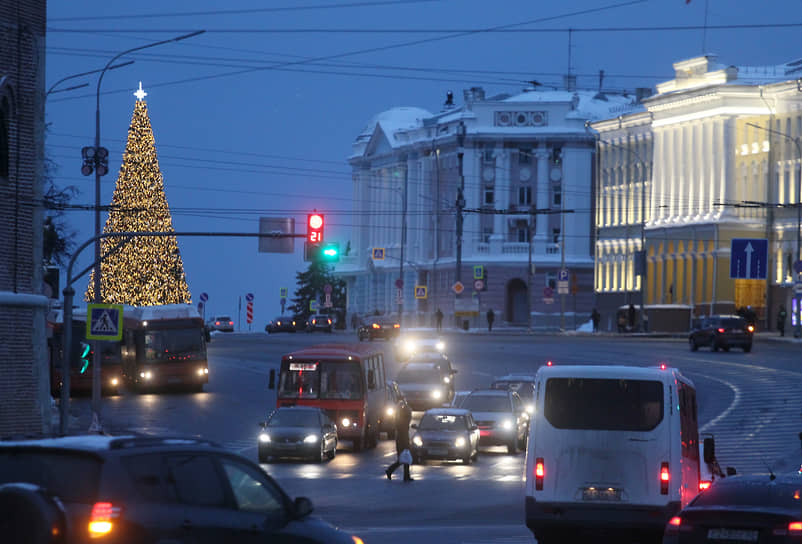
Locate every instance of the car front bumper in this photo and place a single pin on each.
(297, 449)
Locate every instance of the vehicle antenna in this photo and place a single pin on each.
(772, 477)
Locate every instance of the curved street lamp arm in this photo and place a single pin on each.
(62, 80)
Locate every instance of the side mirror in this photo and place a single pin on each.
(413, 426)
(709, 450)
(303, 507)
(271, 384)
(730, 471)
(474, 427)
(371, 379)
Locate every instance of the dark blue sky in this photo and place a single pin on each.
(240, 136)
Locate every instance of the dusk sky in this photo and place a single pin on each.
(256, 117)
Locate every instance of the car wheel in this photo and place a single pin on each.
(359, 444)
(725, 347)
(512, 447)
(714, 346)
(476, 455)
(747, 348)
(466, 460)
(333, 451)
(522, 443)
(321, 455)
(391, 434)
(694, 345)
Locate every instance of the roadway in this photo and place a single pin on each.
(750, 402)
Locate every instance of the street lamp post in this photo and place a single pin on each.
(798, 206)
(52, 88)
(96, 159)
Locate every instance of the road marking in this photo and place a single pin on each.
(735, 401)
(442, 527)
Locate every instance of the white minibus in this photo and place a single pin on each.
(612, 449)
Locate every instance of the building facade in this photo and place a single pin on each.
(24, 377)
(714, 157)
(514, 174)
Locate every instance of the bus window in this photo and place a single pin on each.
(603, 404)
(166, 344)
(299, 381)
(325, 380)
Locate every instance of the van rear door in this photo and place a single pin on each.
(603, 440)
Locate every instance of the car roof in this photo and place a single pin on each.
(793, 478)
(297, 407)
(491, 392)
(98, 443)
(448, 412)
(333, 351)
(516, 378)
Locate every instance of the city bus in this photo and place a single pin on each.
(611, 449)
(81, 359)
(347, 381)
(164, 346)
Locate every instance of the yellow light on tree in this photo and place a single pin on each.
(145, 271)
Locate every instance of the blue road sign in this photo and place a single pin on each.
(563, 275)
(249, 297)
(378, 254)
(204, 297)
(105, 322)
(749, 258)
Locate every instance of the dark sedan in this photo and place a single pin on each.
(387, 416)
(753, 508)
(298, 431)
(446, 433)
(722, 332)
(282, 323)
(386, 329)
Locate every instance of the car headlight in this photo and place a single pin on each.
(441, 346)
(417, 440)
(506, 424)
(436, 394)
(200, 372)
(460, 442)
(114, 381)
(147, 375)
(530, 408)
(264, 437)
(446, 379)
(390, 410)
(311, 439)
(346, 422)
(409, 346)
(205, 370)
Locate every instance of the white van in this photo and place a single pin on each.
(611, 448)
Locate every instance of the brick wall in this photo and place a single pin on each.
(24, 402)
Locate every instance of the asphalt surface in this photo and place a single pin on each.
(750, 402)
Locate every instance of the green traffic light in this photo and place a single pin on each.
(85, 357)
(330, 252)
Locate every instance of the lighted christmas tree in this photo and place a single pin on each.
(145, 271)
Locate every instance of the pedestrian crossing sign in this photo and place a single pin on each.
(105, 322)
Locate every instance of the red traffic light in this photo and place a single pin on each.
(314, 231)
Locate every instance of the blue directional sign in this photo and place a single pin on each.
(749, 258)
(105, 322)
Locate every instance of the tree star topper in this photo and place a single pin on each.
(140, 94)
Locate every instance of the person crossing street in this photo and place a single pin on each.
(402, 420)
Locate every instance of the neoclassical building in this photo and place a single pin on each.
(713, 156)
(519, 172)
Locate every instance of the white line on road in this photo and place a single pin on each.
(735, 401)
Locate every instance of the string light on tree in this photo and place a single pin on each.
(145, 271)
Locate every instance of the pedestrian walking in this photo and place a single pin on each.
(781, 315)
(402, 418)
(595, 316)
(631, 317)
(438, 317)
(490, 318)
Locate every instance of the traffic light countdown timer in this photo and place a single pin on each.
(315, 249)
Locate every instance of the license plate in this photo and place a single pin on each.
(741, 535)
(484, 433)
(174, 380)
(437, 451)
(601, 494)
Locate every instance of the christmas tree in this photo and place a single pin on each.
(147, 270)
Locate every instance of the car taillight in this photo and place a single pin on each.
(676, 525)
(329, 320)
(750, 328)
(794, 528)
(376, 326)
(720, 330)
(396, 326)
(704, 484)
(216, 322)
(540, 472)
(101, 519)
(665, 476)
(230, 322)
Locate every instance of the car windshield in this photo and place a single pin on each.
(417, 375)
(753, 493)
(223, 318)
(486, 403)
(442, 422)
(294, 418)
(731, 323)
(628, 405)
(320, 379)
(172, 344)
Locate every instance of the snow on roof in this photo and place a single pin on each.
(395, 119)
(89, 442)
(164, 311)
(588, 106)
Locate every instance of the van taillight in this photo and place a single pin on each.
(704, 484)
(101, 519)
(720, 330)
(230, 322)
(665, 476)
(540, 472)
(794, 528)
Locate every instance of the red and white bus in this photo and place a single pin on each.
(347, 381)
(164, 346)
(82, 357)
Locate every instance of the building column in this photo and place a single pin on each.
(542, 202)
